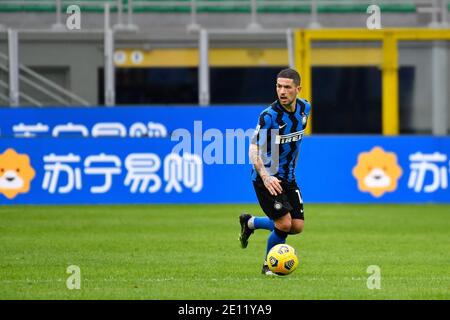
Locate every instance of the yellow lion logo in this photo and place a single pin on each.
(16, 173)
(377, 172)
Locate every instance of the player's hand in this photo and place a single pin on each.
(273, 185)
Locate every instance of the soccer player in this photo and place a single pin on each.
(274, 151)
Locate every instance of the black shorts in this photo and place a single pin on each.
(290, 200)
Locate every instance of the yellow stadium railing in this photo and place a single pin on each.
(388, 63)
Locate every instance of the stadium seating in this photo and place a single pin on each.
(228, 6)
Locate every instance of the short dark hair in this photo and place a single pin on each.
(290, 74)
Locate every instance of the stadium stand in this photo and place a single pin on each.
(179, 14)
(227, 6)
(210, 6)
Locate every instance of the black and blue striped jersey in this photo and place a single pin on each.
(281, 129)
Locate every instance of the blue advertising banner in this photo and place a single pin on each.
(123, 122)
(115, 171)
(374, 169)
(199, 155)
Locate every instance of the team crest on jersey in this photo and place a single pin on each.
(304, 119)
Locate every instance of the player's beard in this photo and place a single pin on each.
(287, 104)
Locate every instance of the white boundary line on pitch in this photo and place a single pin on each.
(221, 279)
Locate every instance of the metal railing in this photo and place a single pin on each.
(22, 95)
(58, 95)
(42, 85)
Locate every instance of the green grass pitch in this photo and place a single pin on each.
(192, 252)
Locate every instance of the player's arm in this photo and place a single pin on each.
(271, 183)
(257, 161)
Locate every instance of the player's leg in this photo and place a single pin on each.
(297, 214)
(280, 231)
(277, 208)
(290, 223)
(280, 210)
(261, 223)
(297, 226)
(277, 236)
(278, 219)
(250, 223)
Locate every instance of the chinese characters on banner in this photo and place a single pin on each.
(64, 173)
